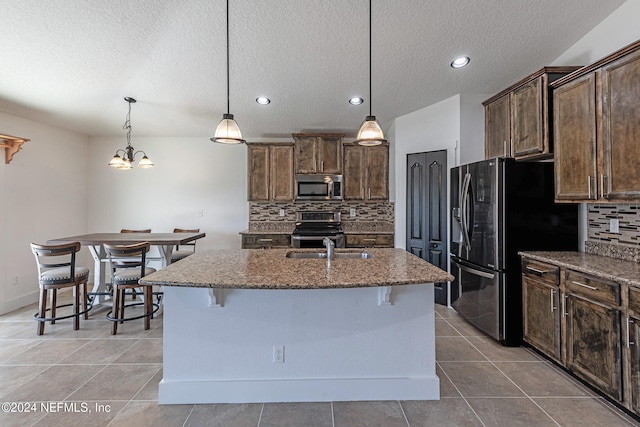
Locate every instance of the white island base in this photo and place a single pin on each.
(367, 343)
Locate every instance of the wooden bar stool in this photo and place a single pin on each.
(126, 276)
(57, 270)
(179, 254)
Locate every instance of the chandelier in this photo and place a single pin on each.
(128, 154)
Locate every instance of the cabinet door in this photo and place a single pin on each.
(527, 118)
(281, 174)
(574, 124)
(306, 154)
(258, 172)
(354, 172)
(377, 172)
(593, 344)
(497, 138)
(541, 318)
(330, 151)
(634, 362)
(621, 128)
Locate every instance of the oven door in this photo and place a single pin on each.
(302, 241)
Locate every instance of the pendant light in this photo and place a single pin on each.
(370, 132)
(128, 154)
(228, 131)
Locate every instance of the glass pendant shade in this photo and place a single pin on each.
(116, 162)
(126, 165)
(370, 132)
(145, 163)
(228, 131)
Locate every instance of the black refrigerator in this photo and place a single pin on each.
(499, 207)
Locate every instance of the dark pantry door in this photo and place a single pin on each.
(426, 211)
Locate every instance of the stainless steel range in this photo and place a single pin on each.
(313, 226)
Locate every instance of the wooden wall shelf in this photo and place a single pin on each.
(11, 145)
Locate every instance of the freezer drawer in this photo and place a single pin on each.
(481, 297)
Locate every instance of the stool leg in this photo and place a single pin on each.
(42, 309)
(115, 310)
(85, 301)
(148, 306)
(76, 307)
(123, 292)
(54, 302)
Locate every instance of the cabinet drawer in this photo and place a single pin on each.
(596, 289)
(257, 241)
(369, 240)
(634, 300)
(540, 271)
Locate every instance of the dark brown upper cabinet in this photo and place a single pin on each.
(597, 129)
(270, 172)
(517, 120)
(318, 153)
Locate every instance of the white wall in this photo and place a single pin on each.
(191, 175)
(44, 196)
(614, 32)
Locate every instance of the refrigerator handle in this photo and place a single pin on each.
(463, 208)
(476, 272)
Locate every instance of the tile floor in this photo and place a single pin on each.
(113, 381)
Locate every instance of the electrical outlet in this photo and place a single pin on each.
(281, 212)
(278, 354)
(201, 212)
(352, 212)
(614, 225)
(16, 280)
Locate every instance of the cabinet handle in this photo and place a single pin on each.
(504, 148)
(589, 186)
(629, 342)
(511, 154)
(535, 270)
(602, 192)
(369, 193)
(369, 240)
(564, 306)
(322, 166)
(584, 286)
(553, 292)
(265, 240)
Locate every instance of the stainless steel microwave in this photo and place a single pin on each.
(318, 187)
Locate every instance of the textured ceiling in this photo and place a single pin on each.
(69, 63)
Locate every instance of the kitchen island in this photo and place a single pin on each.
(259, 326)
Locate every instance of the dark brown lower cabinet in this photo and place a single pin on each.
(593, 346)
(266, 241)
(541, 316)
(634, 363)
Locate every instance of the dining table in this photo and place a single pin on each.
(165, 242)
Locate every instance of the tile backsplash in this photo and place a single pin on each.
(266, 215)
(623, 244)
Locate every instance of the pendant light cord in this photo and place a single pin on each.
(228, 57)
(370, 97)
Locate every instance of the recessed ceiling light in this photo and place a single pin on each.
(356, 100)
(263, 100)
(460, 62)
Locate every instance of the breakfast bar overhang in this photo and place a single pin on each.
(245, 326)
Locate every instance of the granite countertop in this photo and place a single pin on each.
(271, 269)
(596, 265)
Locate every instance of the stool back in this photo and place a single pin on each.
(127, 258)
(58, 257)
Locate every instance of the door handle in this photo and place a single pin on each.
(593, 288)
(553, 292)
(602, 186)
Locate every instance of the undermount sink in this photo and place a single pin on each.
(323, 255)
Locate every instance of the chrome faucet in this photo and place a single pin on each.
(330, 246)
